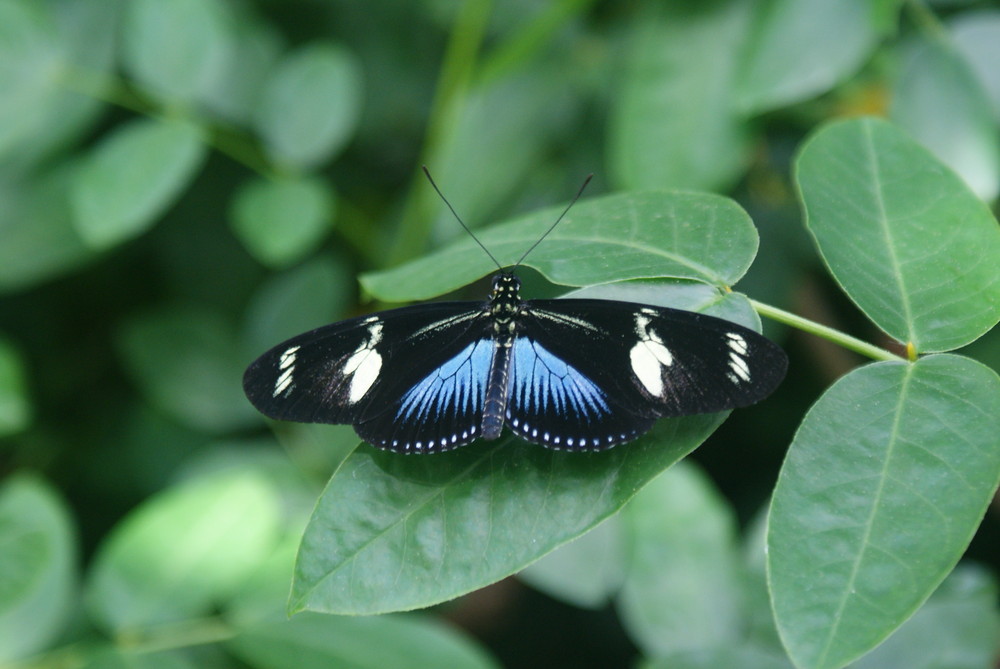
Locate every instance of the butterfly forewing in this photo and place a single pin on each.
(622, 365)
(408, 379)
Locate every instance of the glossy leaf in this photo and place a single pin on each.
(176, 48)
(37, 570)
(182, 552)
(392, 533)
(682, 588)
(310, 105)
(901, 234)
(939, 100)
(801, 48)
(131, 177)
(674, 123)
(311, 641)
(883, 488)
(628, 236)
(587, 571)
(281, 221)
(15, 404)
(184, 362)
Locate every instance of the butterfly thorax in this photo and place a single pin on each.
(505, 305)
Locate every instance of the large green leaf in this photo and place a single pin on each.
(939, 100)
(176, 49)
(394, 533)
(902, 234)
(183, 551)
(884, 486)
(682, 588)
(627, 236)
(976, 35)
(310, 105)
(800, 48)
(131, 177)
(674, 123)
(312, 641)
(37, 571)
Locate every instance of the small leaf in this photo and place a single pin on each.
(393, 534)
(182, 552)
(939, 101)
(311, 641)
(131, 177)
(176, 48)
(310, 106)
(629, 236)
(883, 488)
(29, 67)
(305, 297)
(829, 42)
(281, 221)
(587, 571)
(901, 234)
(15, 404)
(682, 588)
(184, 361)
(675, 123)
(37, 570)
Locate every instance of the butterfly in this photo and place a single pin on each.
(568, 374)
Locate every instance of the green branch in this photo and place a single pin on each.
(828, 333)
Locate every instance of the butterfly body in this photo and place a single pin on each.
(568, 374)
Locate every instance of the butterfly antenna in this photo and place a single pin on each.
(459, 218)
(553, 226)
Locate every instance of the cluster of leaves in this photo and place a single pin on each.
(128, 130)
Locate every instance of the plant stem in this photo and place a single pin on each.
(836, 336)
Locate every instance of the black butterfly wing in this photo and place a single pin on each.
(620, 366)
(410, 379)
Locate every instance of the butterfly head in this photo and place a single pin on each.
(505, 303)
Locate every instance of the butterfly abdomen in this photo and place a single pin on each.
(495, 405)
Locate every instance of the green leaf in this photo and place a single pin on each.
(39, 238)
(30, 63)
(176, 48)
(674, 123)
(884, 486)
(182, 552)
(310, 106)
(939, 101)
(184, 361)
(800, 48)
(236, 88)
(901, 234)
(587, 571)
(15, 404)
(282, 221)
(682, 588)
(37, 570)
(124, 658)
(311, 641)
(958, 628)
(305, 297)
(631, 235)
(976, 35)
(393, 533)
(131, 177)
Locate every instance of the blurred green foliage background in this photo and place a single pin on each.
(184, 183)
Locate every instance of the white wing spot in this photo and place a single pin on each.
(737, 343)
(739, 366)
(364, 364)
(649, 356)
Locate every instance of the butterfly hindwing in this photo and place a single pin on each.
(629, 364)
(406, 378)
